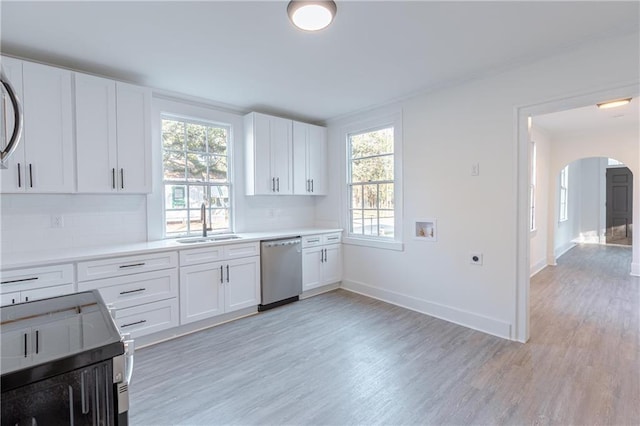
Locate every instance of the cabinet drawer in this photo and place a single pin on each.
(21, 279)
(118, 266)
(333, 238)
(46, 292)
(148, 318)
(311, 241)
(235, 251)
(201, 255)
(131, 290)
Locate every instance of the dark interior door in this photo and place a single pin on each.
(619, 205)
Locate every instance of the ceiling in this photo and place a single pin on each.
(591, 118)
(248, 56)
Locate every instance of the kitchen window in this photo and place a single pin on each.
(196, 179)
(373, 195)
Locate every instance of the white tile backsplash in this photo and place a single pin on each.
(89, 220)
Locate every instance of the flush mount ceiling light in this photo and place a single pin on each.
(311, 15)
(613, 104)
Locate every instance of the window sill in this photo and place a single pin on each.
(373, 243)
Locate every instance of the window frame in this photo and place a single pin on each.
(367, 123)
(532, 187)
(563, 193)
(188, 183)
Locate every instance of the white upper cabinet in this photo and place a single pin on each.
(309, 159)
(269, 155)
(113, 136)
(44, 163)
(12, 178)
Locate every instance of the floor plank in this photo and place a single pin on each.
(341, 358)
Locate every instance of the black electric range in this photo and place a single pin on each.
(63, 358)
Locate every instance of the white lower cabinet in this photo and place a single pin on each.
(149, 318)
(26, 285)
(209, 288)
(321, 260)
(142, 289)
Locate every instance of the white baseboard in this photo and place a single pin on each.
(559, 251)
(537, 267)
(319, 290)
(635, 269)
(471, 320)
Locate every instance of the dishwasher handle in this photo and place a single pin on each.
(280, 243)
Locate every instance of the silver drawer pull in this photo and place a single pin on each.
(19, 281)
(313, 241)
(133, 291)
(132, 265)
(332, 238)
(133, 323)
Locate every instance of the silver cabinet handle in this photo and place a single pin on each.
(221, 275)
(131, 265)
(113, 178)
(321, 255)
(227, 273)
(19, 177)
(325, 255)
(121, 178)
(278, 184)
(133, 291)
(37, 341)
(311, 185)
(273, 184)
(25, 345)
(30, 176)
(133, 323)
(308, 184)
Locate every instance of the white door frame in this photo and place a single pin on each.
(522, 113)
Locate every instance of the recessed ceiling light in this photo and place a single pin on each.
(613, 104)
(311, 15)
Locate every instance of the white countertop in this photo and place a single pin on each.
(49, 257)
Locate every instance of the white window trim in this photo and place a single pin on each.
(533, 226)
(563, 217)
(197, 112)
(373, 121)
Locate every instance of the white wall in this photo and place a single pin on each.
(445, 132)
(538, 242)
(592, 199)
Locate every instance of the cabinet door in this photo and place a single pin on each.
(258, 128)
(10, 298)
(133, 104)
(281, 154)
(242, 283)
(12, 179)
(46, 292)
(15, 350)
(201, 291)
(301, 180)
(55, 339)
(332, 266)
(48, 132)
(312, 263)
(317, 159)
(95, 133)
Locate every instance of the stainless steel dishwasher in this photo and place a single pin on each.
(281, 272)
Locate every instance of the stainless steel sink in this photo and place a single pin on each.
(209, 239)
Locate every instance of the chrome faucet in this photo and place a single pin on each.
(203, 218)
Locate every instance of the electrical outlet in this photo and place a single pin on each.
(57, 221)
(475, 258)
(475, 169)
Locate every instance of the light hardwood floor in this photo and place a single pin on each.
(341, 358)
